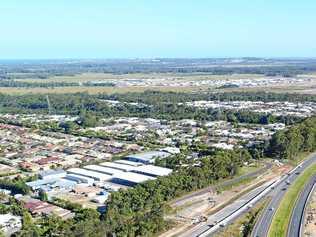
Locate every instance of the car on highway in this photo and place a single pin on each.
(203, 218)
(288, 182)
(284, 188)
(195, 221)
(271, 209)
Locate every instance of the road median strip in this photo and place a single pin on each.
(281, 219)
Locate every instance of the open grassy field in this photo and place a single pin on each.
(186, 78)
(307, 88)
(282, 216)
(85, 77)
(94, 90)
(111, 90)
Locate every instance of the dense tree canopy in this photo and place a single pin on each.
(287, 144)
(151, 104)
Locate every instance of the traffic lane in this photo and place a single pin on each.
(213, 219)
(298, 211)
(268, 214)
(244, 209)
(262, 226)
(225, 212)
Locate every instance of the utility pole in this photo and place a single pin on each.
(219, 106)
(48, 105)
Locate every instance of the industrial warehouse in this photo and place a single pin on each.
(91, 185)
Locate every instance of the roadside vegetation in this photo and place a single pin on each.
(281, 220)
(291, 143)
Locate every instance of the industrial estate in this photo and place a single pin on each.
(157, 118)
(206, 162)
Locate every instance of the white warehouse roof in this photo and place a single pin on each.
(117, 166)
(133, 177)
(79, 178)
(91, 174)
(128, 162)
(152, 170)
(148, 157)
(102, 169)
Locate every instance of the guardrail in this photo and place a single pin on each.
(305, 207)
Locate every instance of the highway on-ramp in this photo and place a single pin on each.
(262, 226)
(297, 217)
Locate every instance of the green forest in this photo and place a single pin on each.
(158, 105)
(287, 144)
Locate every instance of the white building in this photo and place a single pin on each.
(152, 170)
(90, 174)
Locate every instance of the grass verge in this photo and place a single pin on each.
(282, 216)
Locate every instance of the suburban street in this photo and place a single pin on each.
(297, 218)
(262, 226)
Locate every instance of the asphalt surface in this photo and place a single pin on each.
(183, 200)
(228, 213)
(297, 217)
(262, 226)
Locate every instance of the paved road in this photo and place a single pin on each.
(297, 217)
(229, 213)
(184, 199)
(262, 226)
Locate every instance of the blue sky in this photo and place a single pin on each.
(160, 28)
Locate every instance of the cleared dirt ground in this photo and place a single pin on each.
(310, 218)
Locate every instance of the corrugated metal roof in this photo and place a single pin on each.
(78, 177)
(90, 174)
(128, 162)
(147, 156)
(153, 170)
(51, 172)
(133, 177)
(102, 169)
(121, 167)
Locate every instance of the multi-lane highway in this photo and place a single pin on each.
(276, 189)
(230, 212)
(262, 226)
(297, 217)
